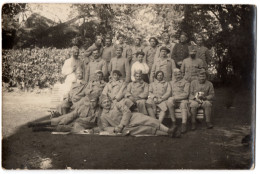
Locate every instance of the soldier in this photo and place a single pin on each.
(97, 85)
(115, 88)
(75, 94)
(164, 64)
(140, 64)
(150, 52)
(201, 95)
(97, 45)
(136, 48)
(137, 93)
(69, 68)
(159, 92)
(96, 64)
(108, 51)
(191, 66)
(85, 116)
(180, 93)
(180, 50)
(119, 119)
(127, 52)
(167, 44)
(203, 52)
(121, 64)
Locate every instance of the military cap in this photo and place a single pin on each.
(192, 49)
(202, 71)
(117, 72)
(165, 48)
(140, 53)
(154, 38)
(138, 37)
(185, 34)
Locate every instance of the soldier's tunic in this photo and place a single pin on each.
(180, 52)
(159, 89)
(127, 51)
(137, 89)
(135, 123)
(115, 89)
(93, 66)
(208, 90)
(95, 87)
(68, 69)
(88, 52)
(180, 93)
(121, 64)
(190, 68)
(170, 46)
(83, 117)
(165, 65)
(150, 56)
(108, 53)
(135, 49)
(203, 53)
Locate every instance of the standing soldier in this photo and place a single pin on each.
(164, 64)
(191, 65)
(167, 44)
(135, 49)
(96, 64)
(159, 92)
(122, 42)
(201, 95)
(137, 93)
(203, 52)
(180, 93)
(108, 51)
(121, 64)
(180, 50)
(97, 45)
(150, 52)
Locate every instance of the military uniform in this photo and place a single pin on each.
(83, 117)
(180, 94)
(190, 68)
(208, 90)
(137, 90)
(203, 53)
(165, 65)
(88, 52)
(115, 89)
(150, 56)
(93, 66)
(121, 64)
(134, 123)
(170, 46)
(95, 87)
(127, 52)
(180, 52)
(108, 53)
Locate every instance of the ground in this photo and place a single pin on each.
(218, 148)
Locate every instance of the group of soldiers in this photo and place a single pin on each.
(136, 87)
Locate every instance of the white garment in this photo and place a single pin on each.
(139, 66)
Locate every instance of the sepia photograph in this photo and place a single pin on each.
(128, 86)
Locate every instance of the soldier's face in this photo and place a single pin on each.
(108, 42)
(159, 76)
(138, 77)
(115, 76)
(140, 58)
(118, 52)
(93, 103)
(106, 104)
(95, 54)
(79, 75)
(99, 76)
(199, 41)
(121, 40)
(178, 75)
(137, 41)
(152, 43)
(183, 38)
(163, 53)
(202, 78)
(166, 39)
(75, 52)
(98, 41)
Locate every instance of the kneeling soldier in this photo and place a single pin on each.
(179, 99)
(201, 95)
(159, 92)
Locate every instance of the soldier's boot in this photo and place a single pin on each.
(184, 128)
(193, 118)
(208, 117)
(172, 115)
(150, 111)
(42, 123)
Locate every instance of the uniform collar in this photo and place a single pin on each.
(141, 82)
(97, 60)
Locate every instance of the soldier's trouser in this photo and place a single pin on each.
(182, 104)
(81, 124)
(152, 108)
(206, 106)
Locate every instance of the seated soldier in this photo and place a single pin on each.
(119, 119)
(75, 94)
(180, 93)
(137, 93)
(116, 87)
(85, 116)
(159, 92)
(97, 85)
(201, 95)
